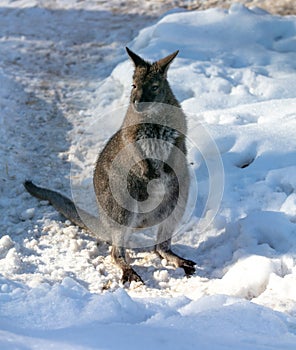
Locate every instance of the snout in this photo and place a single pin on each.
(141, 106)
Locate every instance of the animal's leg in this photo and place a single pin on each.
(128, 274)
(163, 249)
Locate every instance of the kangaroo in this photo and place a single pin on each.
(141, 177)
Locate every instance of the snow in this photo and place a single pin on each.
(64, 86)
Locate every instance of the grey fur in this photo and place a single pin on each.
(152, 139)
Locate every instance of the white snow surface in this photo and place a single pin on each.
(62, 70)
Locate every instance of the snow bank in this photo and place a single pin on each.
(67, 315)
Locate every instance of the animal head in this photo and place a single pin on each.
(150, 83)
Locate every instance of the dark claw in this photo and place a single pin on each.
(130, 275)
(188, 267)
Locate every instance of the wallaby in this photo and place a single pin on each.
(141, 177)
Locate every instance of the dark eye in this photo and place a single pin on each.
(154, 87)
(134, 86)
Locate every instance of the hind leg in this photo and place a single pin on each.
(128, 274)
(164, 250)
(120, 234)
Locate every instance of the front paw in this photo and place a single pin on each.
(148, 170)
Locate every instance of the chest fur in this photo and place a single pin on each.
(156, 141)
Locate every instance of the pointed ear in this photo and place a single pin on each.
(165, 62)
(138, 61)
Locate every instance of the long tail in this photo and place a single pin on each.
(61, 203)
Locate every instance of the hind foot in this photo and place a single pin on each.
(187, 265)
(129, 275)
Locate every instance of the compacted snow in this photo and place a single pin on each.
(64, 87)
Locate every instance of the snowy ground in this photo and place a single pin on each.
(62, 70)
